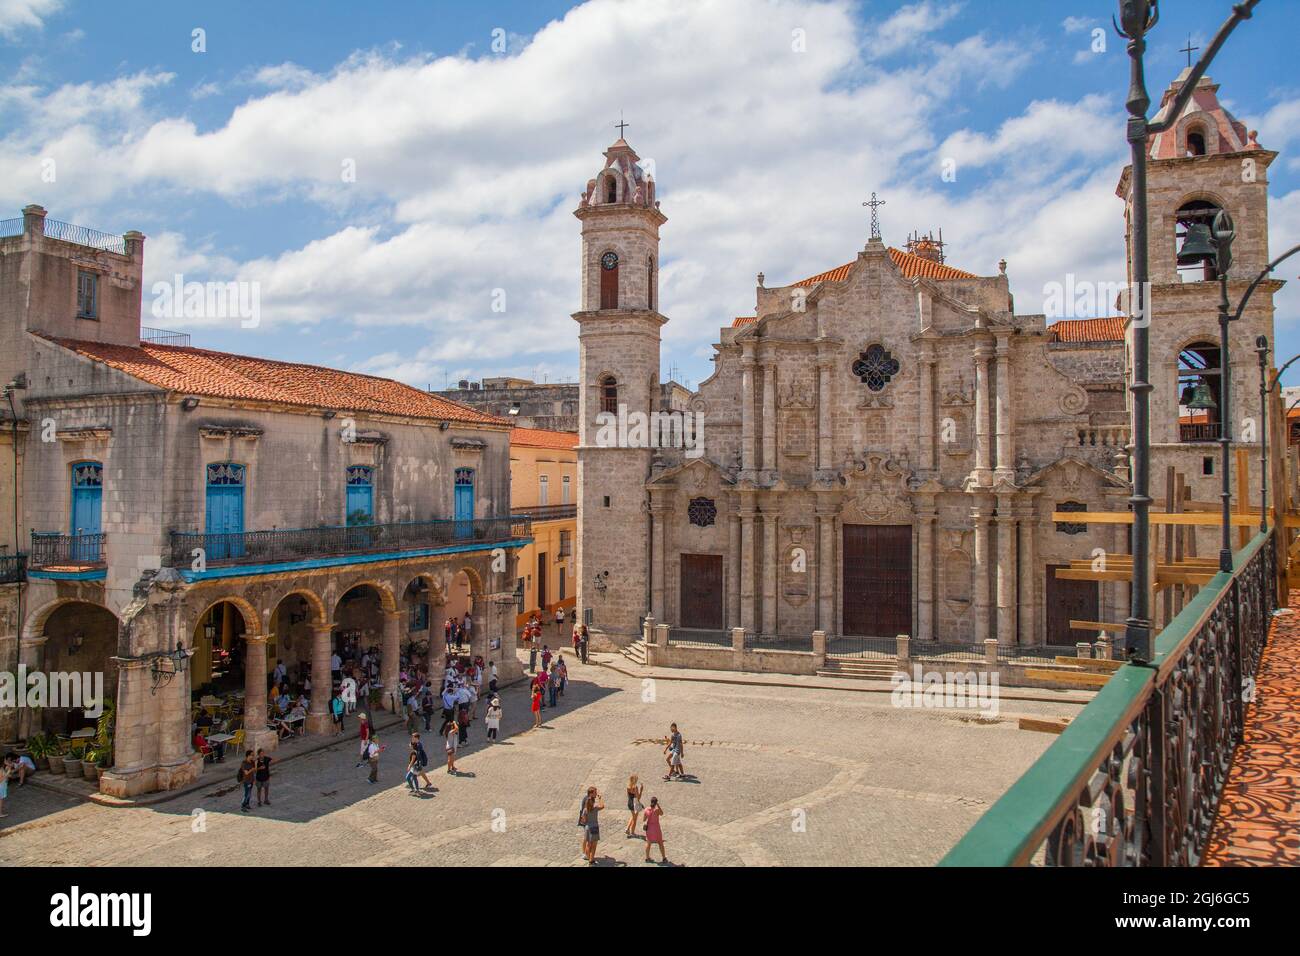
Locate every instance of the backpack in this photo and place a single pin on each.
(239, 774)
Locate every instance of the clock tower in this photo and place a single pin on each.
(619, 378)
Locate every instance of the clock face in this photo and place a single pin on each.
(609, 260)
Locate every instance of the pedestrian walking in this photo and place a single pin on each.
(412, 768)
(492, 678)
(532, 649)
(537, 706)
(674, 754)
(546, 658)
(448, 707)
(467, 630)
(263, 776)
(450, 742)
(373, 750)
(245, 776)
(336, 709)
(654, 835)
(422, 761)
(591, 824)
(634, 806)
(493, 718)
(584, 642)
(553, 683)
(365, 739)
(559, 623)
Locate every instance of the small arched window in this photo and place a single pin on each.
(609, 394)
(1196, 141)
(650, 282)
(611, 189)
(1193, 243)
(609, 280)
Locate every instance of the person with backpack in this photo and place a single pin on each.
(365, 739)
(337, 709)
(245, 776)
(422, 761)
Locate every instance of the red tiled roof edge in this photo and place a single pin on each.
(1106, 329)
(543, 438)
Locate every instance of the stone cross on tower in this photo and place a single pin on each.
(1189, 49)
(875, 205)
(620, 125)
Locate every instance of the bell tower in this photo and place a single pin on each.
(1205, 162)
(618, 346)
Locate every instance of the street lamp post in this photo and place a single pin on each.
(1136, 18)
(1266, 386)
(1222, 233)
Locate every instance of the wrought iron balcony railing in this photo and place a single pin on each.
(547, 512)
(1137, 776)
(53, 550)
(300, 544)
(1198, 431)
(13, 568)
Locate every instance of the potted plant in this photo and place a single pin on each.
(104, 730)
(38, 748)
(72, 762)
(57, 758)
(94, 763)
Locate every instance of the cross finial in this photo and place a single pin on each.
(1189, 49)
(875, 205)
(620, 125)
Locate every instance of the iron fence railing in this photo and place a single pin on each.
(11, 227)
(547, 512)
(1137, 776)
(688, 636)
(294, 544)
(855, 645)
(778, 642)
(163, 336)
(13, 568)
(51, 549)
(1198, 431)
(84, 236)
(942, 651)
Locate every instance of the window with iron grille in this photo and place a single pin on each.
(609, 394)
(1071, 527)
(87, 295)
(875, 367)
(702, 512)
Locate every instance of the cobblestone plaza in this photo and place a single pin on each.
(778, 774)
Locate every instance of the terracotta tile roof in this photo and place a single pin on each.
(740, 320)
(542, 438)
(911, 266)
(194, 371)
(1108, 329)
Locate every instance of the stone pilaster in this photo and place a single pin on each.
(980, 570)
(769, 420)
(734, 559)
(256, 733)
(319, 719)
(31, 654)
(1005, 429)
(824, 410)
(1028, 633)
(1006, 571)
(827, 508)
(771, 518)
(925, 521)
(747, 608)
(925, 430)
(391, 651)
(747, 370)
(659, 510)
(982, 470)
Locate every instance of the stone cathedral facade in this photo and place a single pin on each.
(885, 443)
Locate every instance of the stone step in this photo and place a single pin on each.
(862, 668)
(634, 652)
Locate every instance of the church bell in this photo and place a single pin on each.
(1201, 398)
(1198, 246)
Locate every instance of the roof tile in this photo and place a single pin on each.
(543, 438)
(1107, 329)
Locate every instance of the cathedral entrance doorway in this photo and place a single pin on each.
(701, 592)
(877, 580)
(1067, 601)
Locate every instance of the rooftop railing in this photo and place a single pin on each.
(84, 236)
(1136, 777)
(547, 512)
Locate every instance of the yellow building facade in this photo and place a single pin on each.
(544, 485)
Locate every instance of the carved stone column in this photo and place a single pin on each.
(319, 719)
(747, 463)
(390, 657)
(1005, 445)
(658, 519)
(256, 733)
(980, 570)
(925, 521)
(982, 472)
(771, 518)
(827, 506)
(825, 406)
(1028, 574)
(925, 431)
(769, 419)
(1006, 571)
(31, 653)
(734, 558)
(747, 609)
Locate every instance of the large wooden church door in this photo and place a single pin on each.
(877, 580)
(701, 592)
(1066, 601)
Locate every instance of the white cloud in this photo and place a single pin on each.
(907, 25)
(1077, 24)
(16, 15)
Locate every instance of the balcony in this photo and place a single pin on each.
(546, 512)
(1198, 431)
(13, 568)
(286, 546)
(76, 555)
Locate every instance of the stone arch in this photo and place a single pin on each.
(252, 620)
(314, 601)
(1198, 122)
(609, 186)
(70, 635)
(386, 599)
(34, 626)
(434, 587)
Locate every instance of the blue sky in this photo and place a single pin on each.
(469, 159)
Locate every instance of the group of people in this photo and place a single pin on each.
(548, 684)
(15, 767)
(255, 772)
(458, 630)
(593, 803)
